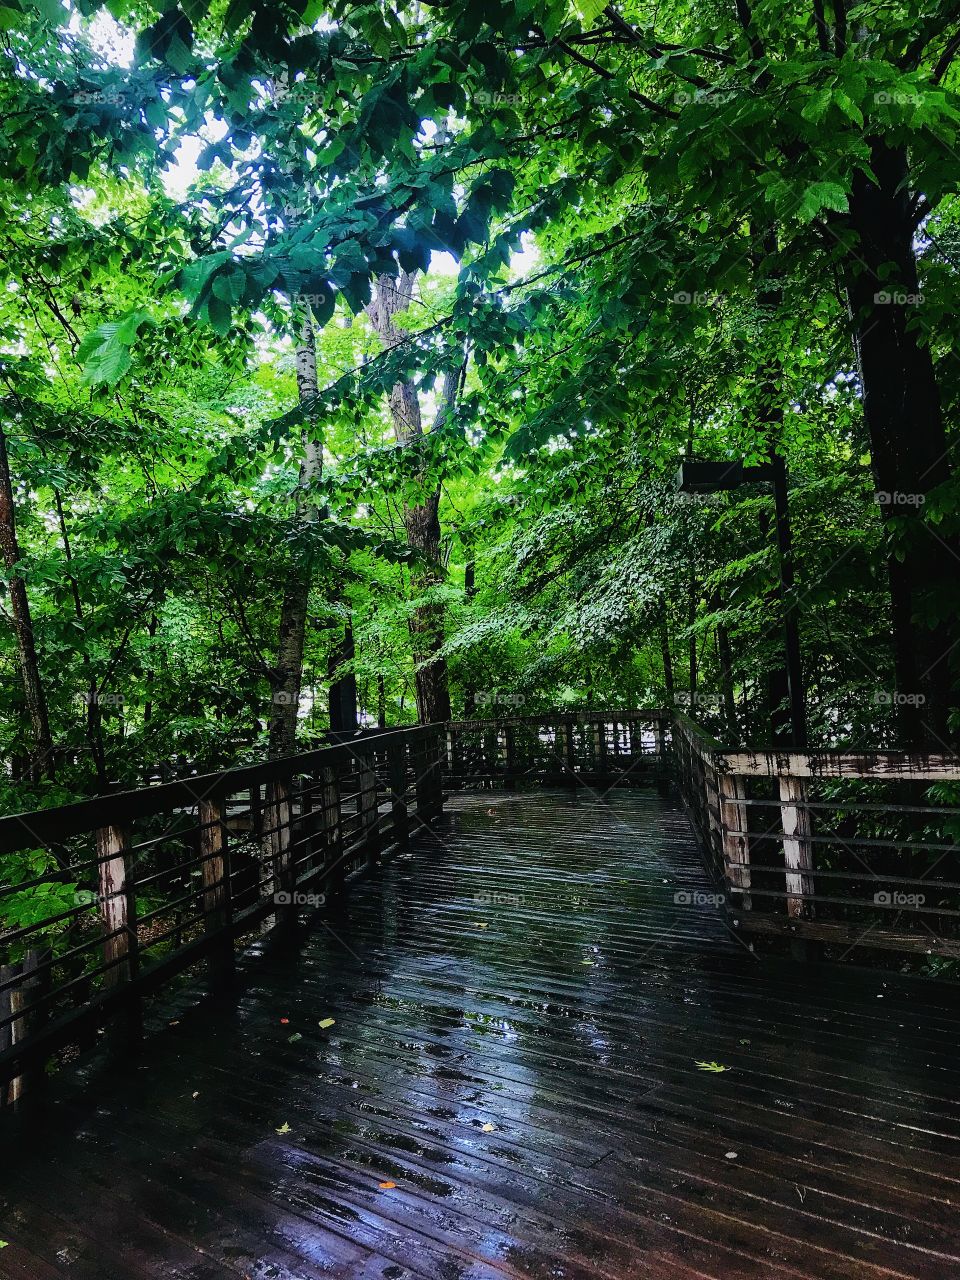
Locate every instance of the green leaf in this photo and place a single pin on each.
(822, 195)
(219, 314)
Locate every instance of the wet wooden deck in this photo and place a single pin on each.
(510, 1088)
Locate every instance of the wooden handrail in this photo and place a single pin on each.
(323, 815)
(52, 826)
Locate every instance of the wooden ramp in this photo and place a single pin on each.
(514, 1085)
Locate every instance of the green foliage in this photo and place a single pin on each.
(631, 232)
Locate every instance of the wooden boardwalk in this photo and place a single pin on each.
(511, 1088)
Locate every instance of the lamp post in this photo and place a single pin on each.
(713, 477)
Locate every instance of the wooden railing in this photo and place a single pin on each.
(559, 748)
(858, 850)
(104, 900)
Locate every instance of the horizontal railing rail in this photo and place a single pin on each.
(107, 899)
(855, 849)
(559, 747)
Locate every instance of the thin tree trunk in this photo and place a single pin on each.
(769, 377)
(381, 701)
(342, 697)
(288, 670)
(94, 720)
(725, 660)
(42, 761)
(421, 520)
(667, 661)
(692, 641)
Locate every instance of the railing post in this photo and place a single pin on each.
(797, 847)
(367, 806)
(437, 777)
(332, 825)
(661, 737)
(490, 751)
(420, 755)
(277, 814)
(119, 916)
(215, 875)
(307, 841)
(26, 987)
(397, 771)
(510, 755)
(736, 842)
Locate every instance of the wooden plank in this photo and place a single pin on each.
(277, 840)
(215, 878)
(116, 904)
(736, 844)
(484, 1096)
(851, 935)
(332, 826)
(797, 849)
(896, 766)
(118, 916)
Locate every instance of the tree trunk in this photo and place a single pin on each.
(725, 661)
(667, 660)
(41, 755)
(381, 701)
(908, 446)
(769, 378)
(342, 697)
(288, 671)
(421, 521)
(94, 720)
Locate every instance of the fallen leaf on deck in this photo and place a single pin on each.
(387, 1186)
(294, 1038)
(327, 1022)
(284, 1128)
(478, 925)
(591, 962)
(284, 1021)
(197, 1094)
(711, 1066)
(488, 1128)
(4, 1243)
